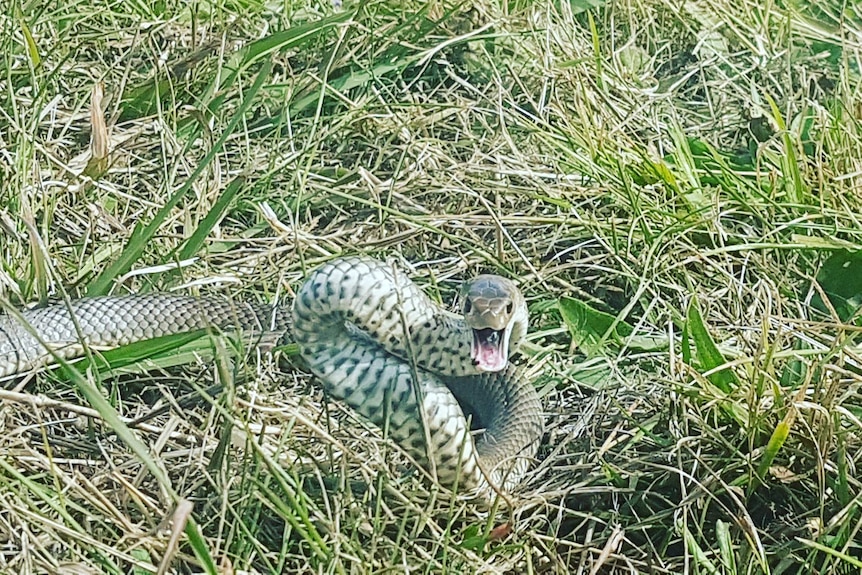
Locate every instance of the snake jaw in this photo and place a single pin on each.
(490, 349)
(495, 311)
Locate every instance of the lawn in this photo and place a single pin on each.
(675, 185)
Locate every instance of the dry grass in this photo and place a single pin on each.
(637, 158)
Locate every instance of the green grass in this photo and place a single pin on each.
(675, 185)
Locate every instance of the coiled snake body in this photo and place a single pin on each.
(376, 342)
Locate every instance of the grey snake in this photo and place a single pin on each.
(373, 339)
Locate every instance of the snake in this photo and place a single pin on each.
(440, 385)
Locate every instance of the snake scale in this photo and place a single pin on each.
(375, 341)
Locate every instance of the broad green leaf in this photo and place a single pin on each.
(579, 6)
(708, 355)
(840, 276)
(473, 539)
(593, 330)
(349, 81)
(593, 374)
(118, 358)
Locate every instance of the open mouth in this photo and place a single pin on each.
(489, 349)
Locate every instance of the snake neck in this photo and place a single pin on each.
(502, 409)
(385, 307)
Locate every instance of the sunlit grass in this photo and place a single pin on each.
(675, 186)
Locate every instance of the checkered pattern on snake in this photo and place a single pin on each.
(371, 336)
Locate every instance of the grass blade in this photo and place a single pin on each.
(194, 243)
(708, 356)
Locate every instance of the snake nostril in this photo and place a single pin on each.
(509, 307)
(468, 306)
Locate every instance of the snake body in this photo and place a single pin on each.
(372, 337)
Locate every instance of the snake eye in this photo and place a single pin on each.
(509, 307)
(468, 306)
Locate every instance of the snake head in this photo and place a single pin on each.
(496, 312)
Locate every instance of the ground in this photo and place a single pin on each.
(675, 186)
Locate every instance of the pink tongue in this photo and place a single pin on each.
(488, 356)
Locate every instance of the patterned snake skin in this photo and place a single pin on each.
(349, 321)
